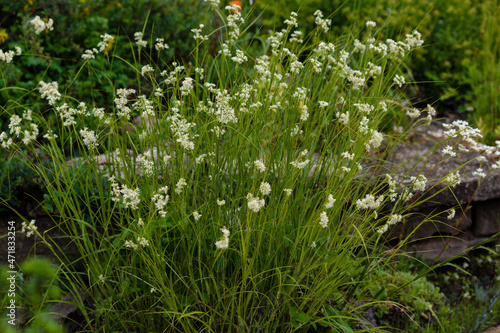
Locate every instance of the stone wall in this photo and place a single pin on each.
(476, 200)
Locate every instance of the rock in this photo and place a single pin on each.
(486, 217)
(440, 249)
(68, 314)
(437, 223)
(493, 330)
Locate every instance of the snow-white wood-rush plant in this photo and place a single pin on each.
(237, 204)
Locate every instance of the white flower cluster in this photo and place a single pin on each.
(240, 57)
(265, 188)
(296, 37)
(419, 182)
(181, 129)
(233, 20)
(453, 179)
(129, 197)
(223, 243)
(146, 163)
(357, 79)
(214, 4)
(180, 185)
(393, 219)
(142, 241)
(461, 129)
(89, 54)
(373, 70)
(304, 115)
(160, 45)
(89, 138)
(330, 202)
(107, 41)
(364, 107)
(145, 106)
(172, 76)
(451, 213)
(347, 155)
(479, 172)
(358, 47)
(296, 66)
(412, 112)
(139, 41)
(399, 80)
(186, 86)
(254, 203)
(121, 102)
(130, 245)
(300, 93)
(375, 141)
(6, 141)
(343, 118)
(197, 34)
(223, 110)
(146, 70)
(448, 150)
(322, 23)
(369, 202)
(292, 22)
(196, 215)
(67, 114)
(16, 129)
(40, 25)
(9, 55)
(392, 187)
(323, 220)
(49, 91)
(160, 199)
(413, 40)
(260, 166)
(29, 229)
(301, 164)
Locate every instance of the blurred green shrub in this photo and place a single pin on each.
(78, 25)
(17, 179)
(37, 289)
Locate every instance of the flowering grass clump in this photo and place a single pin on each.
(237, 188)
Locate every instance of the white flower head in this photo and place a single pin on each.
(142, 241)
(89, 138)
(369, 202)
(40, 25)
(49, 91)
(323, 220)
(371, 24)
(265, 188)
(330, 202)
(399, 80)
(255, 204)
(453, 179)
(180, 186)
(29, 229)
(223, 243)
(139, 41)
(479, 173)
(451, 213)
(260, 166)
